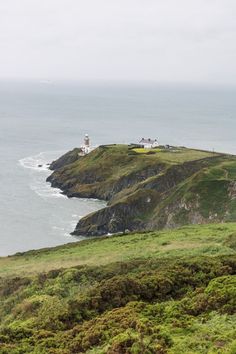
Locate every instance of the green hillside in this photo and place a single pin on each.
(149, 189)
(157, 292)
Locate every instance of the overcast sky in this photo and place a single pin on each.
(159, 40)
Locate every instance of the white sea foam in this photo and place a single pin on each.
(37, 170)
(44, 190)
(41, 161)
(36, 162)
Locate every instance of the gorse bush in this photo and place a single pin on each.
(135, 307)
(177, 301)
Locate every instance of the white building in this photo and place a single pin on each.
(86, 147)
(148, 143)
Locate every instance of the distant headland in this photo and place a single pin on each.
(147, 186)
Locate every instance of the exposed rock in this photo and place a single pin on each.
(65, 159)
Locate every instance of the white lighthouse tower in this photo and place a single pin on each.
(86, 148)
(87, 141)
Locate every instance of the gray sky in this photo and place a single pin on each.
(159, 40)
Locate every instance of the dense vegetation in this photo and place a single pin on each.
(158, 292)
(149, 189)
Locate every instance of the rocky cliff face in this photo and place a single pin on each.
(66, 159)
(148, 191)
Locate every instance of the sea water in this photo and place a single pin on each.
(39, 121)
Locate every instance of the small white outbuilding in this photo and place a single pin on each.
(148, 143)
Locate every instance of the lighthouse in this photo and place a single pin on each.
(86, 148)
(86, 141)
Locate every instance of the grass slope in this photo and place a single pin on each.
(188, 240)
(158, 292)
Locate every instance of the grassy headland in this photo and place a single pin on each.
(149, 189)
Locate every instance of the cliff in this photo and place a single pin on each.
(148, 190)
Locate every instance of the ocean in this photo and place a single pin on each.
(39, 121)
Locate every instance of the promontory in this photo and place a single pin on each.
(148, 189)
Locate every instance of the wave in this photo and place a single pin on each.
(44, 190)
(36, 162)
(41, 161)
